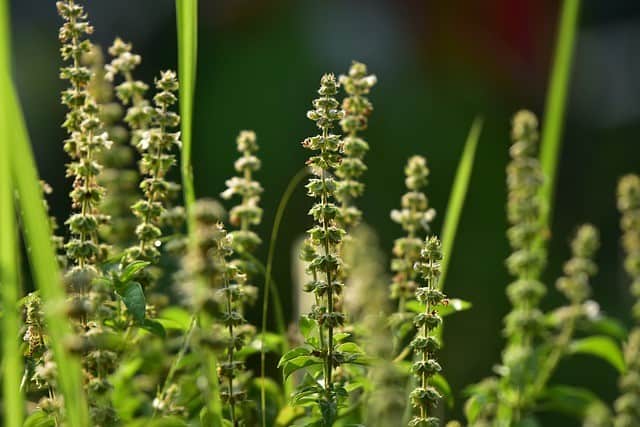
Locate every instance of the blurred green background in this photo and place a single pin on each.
(439, 64)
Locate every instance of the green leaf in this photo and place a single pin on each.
(129, 272)
(572, 401)
(608, 326)
(39, 419)
(272, 343)
(442, 385)
(288, 415)
(349, 347)
(175, 318)
(298, 363)
(555, 106)
(602, 347)
(458, 196)
(307, 326)
(341, 336)
(154, 327)
(133, 298)
(292, 354)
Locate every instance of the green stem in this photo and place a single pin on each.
(556, 104)
(271, 286)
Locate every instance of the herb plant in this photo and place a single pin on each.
(150, 322)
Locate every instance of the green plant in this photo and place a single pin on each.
(324, 263)
(414, 217)
(425, 397)
(111, 343)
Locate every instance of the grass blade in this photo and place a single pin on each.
(458, 196)
(187, 26)
(44, 266)
(9, 285)
(46, 274)
(555, 107)
(282, 205)
(9, 257)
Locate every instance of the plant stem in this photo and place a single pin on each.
(284, 201)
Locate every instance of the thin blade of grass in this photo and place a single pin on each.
(187, 31)
(44, 266)
(37, 233)
(187, 27)
(9, 257)
(458, 196)
(282, 205)
(10, 287)
(555, 106)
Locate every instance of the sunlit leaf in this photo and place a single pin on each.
(602, 347)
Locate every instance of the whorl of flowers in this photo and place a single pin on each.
(200, 274)
(86, 139)
(357, 109)
(214, 285)
(156, 146)
(248, 213)
(524, 178)
(574, 285)
(321, 247)
(425, 397)
(366, 300)
(414, 216)
(626, 406)
(118, 177)
(130, 91)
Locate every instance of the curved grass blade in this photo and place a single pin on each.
(187, 27)
(281, 323)
(458, 196)
(9, 282)
(555, 106)
(44, 266)
(282, 205)
(9, 257)
(37, 234)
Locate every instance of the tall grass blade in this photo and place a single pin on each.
(9, 284)
(187, 26)
(46, 274)
(44, 266)
(282, 205)
(555, 107)
(458, 195)
(9, 258)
